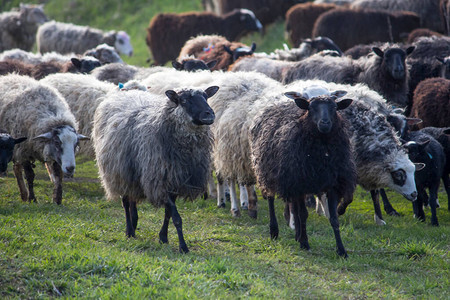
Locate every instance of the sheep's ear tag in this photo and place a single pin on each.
(299, 99)
(344, 103)
(173, 96)
(419, 166)
(121, 85)
(47, 136)
(378, 51)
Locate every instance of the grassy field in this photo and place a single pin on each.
(79, 249)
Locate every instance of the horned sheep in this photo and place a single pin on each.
(154, 148)
(168, 32)
(38, 112)
(69, 38)
(18, 28)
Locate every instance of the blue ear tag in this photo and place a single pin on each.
(120, 85)
(431, 157)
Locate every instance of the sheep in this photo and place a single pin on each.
(300, 20)
(7, 144)
(271, 67)
(154, 148)
(431, 102)
(423, 148)
(419, 32)
(191, 64)
(67, 38)
(267, 11)
(428, 10)
(18, 28)
(285, 139)
(167, 32)
(383, 71)
(31, 109)
(429, 47)
(83, 94)
(105, 53)
(364, 27)
(121, 73)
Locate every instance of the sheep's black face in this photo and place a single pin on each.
(195, 104)
(394, 61)
(7, 144)
(323, 113)
(249, 20)
(417, 151)
(192, 65)
(86, 65)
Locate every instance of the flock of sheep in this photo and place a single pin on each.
(309, 121)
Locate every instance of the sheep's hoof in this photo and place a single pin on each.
(235, 212)
(184, 249)
(252, 213)
(244, 206)
(393, 213)
(130, 234)
(221, 205)
(342, 253)
(304, 245)
(434, 223)
(378, 220)
(274, 232)
(163, 239)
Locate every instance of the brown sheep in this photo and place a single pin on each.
(431, 102)
(419, 32)
(300, 20)
(364, 27)
(168, 32)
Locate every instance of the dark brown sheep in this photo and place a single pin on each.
(431, 103)
(167, 33)
(300, 20)
(419, 32)
(349, 27)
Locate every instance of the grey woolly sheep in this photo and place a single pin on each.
(167, 32)
(31, 109)
(83, 94)
(67, 38)
(272, 68)
(18, 28)
(121, 73)
(105, 53)
(154, 148)
(428, 10)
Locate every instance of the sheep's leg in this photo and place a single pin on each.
(343, 205)
(134, 214)
(19, 177)
(235, 212)
(289, 214)
(300, 216)
(57, 184)
(273, 223)
(243, 196)
(432, 200)
(163, 232)
(387, 205)
(322, 206)
(126, 206)
(178, 223)
(296, 218)
(418, 204)
(220, 192)
(446, 181)
(211, 187)
(252, 202)
(333, 200)
(378, 217)
(29, 176)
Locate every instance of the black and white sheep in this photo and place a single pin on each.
(7, 144)
(68, 38)
(191, 64)
(297, 153)
(154, 148)
(167, 32)
(18, 28)
(31, 109)
(384, 71)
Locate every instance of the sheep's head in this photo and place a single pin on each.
(60, 145)
(193, 64)
(85, 64)
(393, 60)
(194, 103)
(123, 43)
(7, 144)
(248, 20)
(321, 109)
(323, 43)
(445, 68)
(240, 52)
(33, 14)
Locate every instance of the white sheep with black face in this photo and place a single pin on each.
(31, 109)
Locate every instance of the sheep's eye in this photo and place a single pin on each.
(121, 42)
(399, 177)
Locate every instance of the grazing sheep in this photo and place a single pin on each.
(383, 71)
(267, 11)
(154, 148)
(191, 64)
(121, 73)
(431, 102)
(168, 32)
(285, 139)
(38, 112)
(18, 28)
(300, 20)
(67, 38)
(7, 144)
(423, 148)
(428, 10)
(364, 27)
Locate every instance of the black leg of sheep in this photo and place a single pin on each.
(163, 232)
(300, 216)
(387, 205)
(126, 206)
(273, 223)
(57, 184)
(375, 194)
(446, 181)
(134, 215)
(178, 223)
(433, 203)
(418, 204)
(29, 176)
(333, 200)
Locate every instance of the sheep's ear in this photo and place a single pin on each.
(253, 47)
(409, 50)
(211, 64)
(446, 131)
(76, 62)
(226, 48)
(211, 91)
(45, 136)
(378, 51)
(178, 66)
(299, 99)
(344, 103)
(19, 140)
(440, 59)
(413, 121)
(82, 137)
(173, 96)
(339, 93)
(424, 143)
(419, 166)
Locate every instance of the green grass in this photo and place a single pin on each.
(79, 249)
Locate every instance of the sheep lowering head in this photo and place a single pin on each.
(154, 148)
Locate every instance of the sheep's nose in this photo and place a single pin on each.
(414, 195)
(70, 169)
